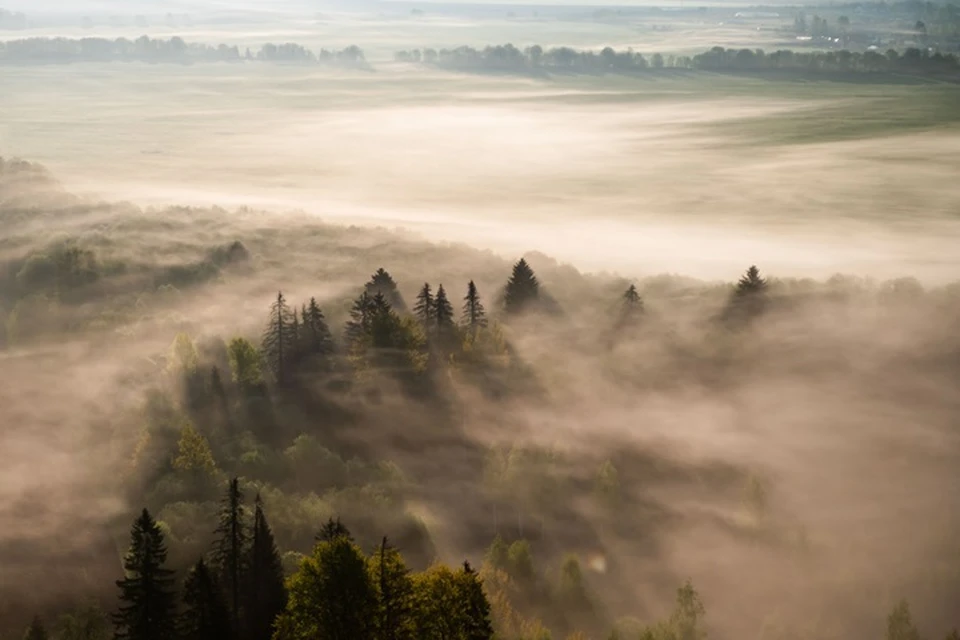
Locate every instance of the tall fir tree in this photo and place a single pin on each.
(631, 307)
(443, 312)
(265, 594)
(317, 339)
(474, 316)
(147, 592)
(279, 339)
(382, 282)
(361, 317)
(424, 307)
(205, 615)
(394, 594)
(522, 288)
(477, 624)
(751, 282)
(230, 549)
(333, 529)
(749, 298)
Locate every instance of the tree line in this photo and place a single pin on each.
(508, 58)
(158, 50)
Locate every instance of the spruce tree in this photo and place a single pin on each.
(631, 307)
(205, 615)
(522, 288)
(394, 594)
(265, 593)
(443, 312)
(36, 630)
(361, 316)
(332, 530)
(751, 282)
(279, 339)
(382, 282)
(317, 339)
(230, 548)
(749, 297)
(474, 605)
(474, 317)
(147, 593)
(424, 308)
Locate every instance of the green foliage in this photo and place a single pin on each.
(474, 315)
(331, 596)
(193, 453)
(245, 364)
(36, 630)
(424, 307)
(394, 591)
(280, 339)
(900, 623)
(520, 562)
(451, 605)
(205, 615)
(230, 548)
(147, 595)
(87, 622)
(265, 594)
(183, 354)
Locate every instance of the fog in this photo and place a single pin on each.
(841, 398)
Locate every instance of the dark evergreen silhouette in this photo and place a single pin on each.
(265, 595)
(394, 594)
(382, 282)
(36, 630)
(474, 316)
(317, 339)
(230, 548)
(749, 298)
(631, 307)
(333, 529)
(205, 615)
(475, 606)
(361, 316)
(280, 339)
(443, 312)
(424, 307)
(522, 289)
(147, 593)
(751, 283)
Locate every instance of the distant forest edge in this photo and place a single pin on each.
(920, 62)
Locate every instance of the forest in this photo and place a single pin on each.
(451, 445)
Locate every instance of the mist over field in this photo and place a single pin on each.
(634, 409)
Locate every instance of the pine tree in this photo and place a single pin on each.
(332, 530)
(382, 282)
(361, 316)
(474, 605)
(751, 282)
(631, 307)
(265, 593)
(522, 288)
(443, 311)
(424, 308)
(230, 548)
(147, 592)
(394, 594)
(474, 317)
(279, 339)
(36, 630)
(205, 616)
(318, 340)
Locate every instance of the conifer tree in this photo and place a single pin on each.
(279, 339)
(475, 607)
(394, 594)
(749, 297)
(36, 630)
(474, 317)
(265, 593)
(522, 288)
(751, 282)
(205, 615)
(147, 594)
(443, 311)
(361, 316)
(424, 307)
(317, 339)
(230, 548)
(333, 529)
(631, 307)
(382, 282)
